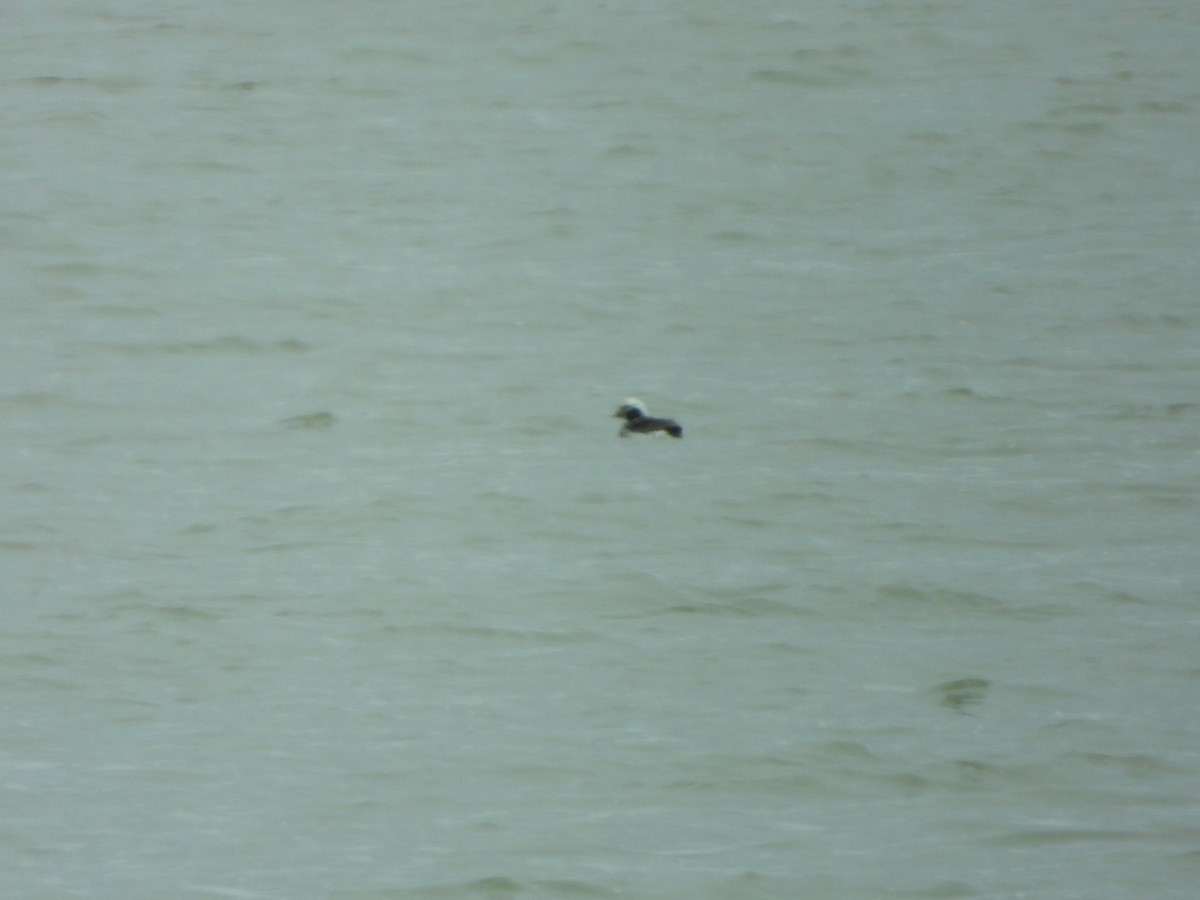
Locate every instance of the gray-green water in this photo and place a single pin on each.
(325, 574)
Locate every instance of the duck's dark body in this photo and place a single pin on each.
(637, 422)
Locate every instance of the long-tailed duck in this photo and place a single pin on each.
(637, 421)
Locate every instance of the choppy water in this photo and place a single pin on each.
(326, 575)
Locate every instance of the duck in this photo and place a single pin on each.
(639, 421)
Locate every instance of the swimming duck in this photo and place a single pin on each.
(638, 421)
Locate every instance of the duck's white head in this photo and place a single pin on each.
(631, 408)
